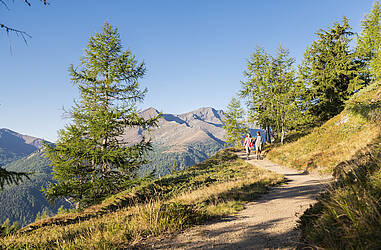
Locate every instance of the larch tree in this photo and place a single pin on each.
(256, 89)
(90, 160)
(234, 123)
(330, 69)
(368, 46)
(272, 93)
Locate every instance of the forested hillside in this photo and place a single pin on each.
(22, 202)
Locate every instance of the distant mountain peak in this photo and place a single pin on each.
(206, 114)
(149, 113)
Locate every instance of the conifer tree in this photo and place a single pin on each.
(273, 95)
(234, 123)
(90, 160)
(368, 44)
(331, 71)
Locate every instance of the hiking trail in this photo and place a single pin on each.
(267, 223)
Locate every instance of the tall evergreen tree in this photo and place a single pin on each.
(368, 44)
(331, 71)
(90, 160)
(273, 95)
(256, 89)
(234, 123)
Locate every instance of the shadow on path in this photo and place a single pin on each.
(266, 223)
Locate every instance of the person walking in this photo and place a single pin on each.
(248, 143)
(258, 145)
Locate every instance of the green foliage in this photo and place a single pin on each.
(90, 159)
(368, 45)
(330, 71)
(273, 95)
(234, 123)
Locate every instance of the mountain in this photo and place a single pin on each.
(14, 146)
(180, 140)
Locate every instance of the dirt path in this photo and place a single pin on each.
(267, 223)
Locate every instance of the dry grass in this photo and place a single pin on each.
(348, 214)
(216, 187)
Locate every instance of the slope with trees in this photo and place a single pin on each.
(21, 203)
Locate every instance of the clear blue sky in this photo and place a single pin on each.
(195, 50)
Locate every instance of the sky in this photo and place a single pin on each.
(195, 51)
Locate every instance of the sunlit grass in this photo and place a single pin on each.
(216, 187)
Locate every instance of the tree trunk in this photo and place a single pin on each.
(268, 134)
(282, 135)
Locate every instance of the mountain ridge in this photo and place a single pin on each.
(14, 145)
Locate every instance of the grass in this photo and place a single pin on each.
(348, 214)
(216, 187)
(339, 139)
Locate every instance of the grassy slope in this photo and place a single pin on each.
(348, 214)
(215, 187)
(339, 139)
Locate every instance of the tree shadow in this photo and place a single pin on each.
(370, 111)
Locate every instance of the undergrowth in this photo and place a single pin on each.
(213, 188)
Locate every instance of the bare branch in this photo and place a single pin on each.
(21, 33)
(5, 4)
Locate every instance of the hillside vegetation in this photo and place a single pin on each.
(339, 139)
(22, 202)
(215, 187)
(347, 215)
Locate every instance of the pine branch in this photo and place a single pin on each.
(10, 177)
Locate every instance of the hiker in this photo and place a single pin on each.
(258, 145)
(248, 143)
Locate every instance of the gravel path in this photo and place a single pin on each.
(268, 223)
